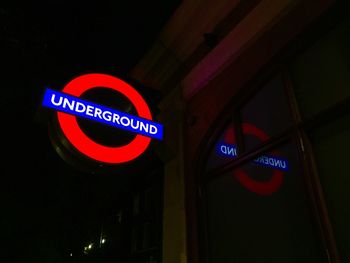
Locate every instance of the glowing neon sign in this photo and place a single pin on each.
(82, 108)
(69, 106)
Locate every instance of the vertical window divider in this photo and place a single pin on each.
(320, 203)
(311, 177)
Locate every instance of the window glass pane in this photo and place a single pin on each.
(259, 213)
(331, 147)
(321, 75)
(224, 149)
(266, 114)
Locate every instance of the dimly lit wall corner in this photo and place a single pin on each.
(208, 54)
(186, 38)
(174, 225)
(170, 151)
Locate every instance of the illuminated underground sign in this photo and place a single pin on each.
(230, 150)
(81, 108)
(69, 106)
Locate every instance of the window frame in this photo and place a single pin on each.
(296, 133)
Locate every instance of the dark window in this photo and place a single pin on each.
(321, 74)
(259, 211)
(321, 79)
(331, 146)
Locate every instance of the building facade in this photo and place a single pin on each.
(256, 116)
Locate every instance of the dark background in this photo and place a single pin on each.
(48, 207)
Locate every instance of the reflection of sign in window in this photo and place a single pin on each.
(230, 150)
(278, 165)
(226, 150)
(273, 162)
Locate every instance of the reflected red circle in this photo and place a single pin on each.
(261, 188)
(88, 147)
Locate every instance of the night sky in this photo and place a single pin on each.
(47, 205)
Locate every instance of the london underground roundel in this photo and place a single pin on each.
(276, 164)
(69, 106)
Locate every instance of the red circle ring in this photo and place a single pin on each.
(261, 188)
(98, 152)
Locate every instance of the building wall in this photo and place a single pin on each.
(226, 74)
(174, 225)
(263, 44)
(199, 86)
